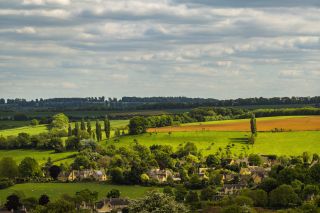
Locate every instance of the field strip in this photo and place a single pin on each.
(290, 123)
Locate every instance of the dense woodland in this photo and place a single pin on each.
(153, 102)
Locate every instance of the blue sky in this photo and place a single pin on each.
(196, 48)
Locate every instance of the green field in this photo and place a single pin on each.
(33, 130)
(240, 120)
(282, 143)
(55, 190)
(41, 156)
(12, 124)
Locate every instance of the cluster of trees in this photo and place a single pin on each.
(286, 112)
(48, 140)
(153, 201)
(28, 168)
(221, 113)
(66, 203)
(78, 138)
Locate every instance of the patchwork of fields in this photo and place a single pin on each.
(56, 190)
(209, 137)
(289, 123)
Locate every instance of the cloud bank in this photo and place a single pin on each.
(220, 49)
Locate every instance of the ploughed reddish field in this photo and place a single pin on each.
(307, 123)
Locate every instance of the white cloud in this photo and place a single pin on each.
(26, 30)
(170, 44)
(69, 85)
(51, 13)
(119, 77)
(290, 74)
(43, 2)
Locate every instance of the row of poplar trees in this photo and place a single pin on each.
(86, 127)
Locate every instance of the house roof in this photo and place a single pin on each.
(118, 202)
(236, 186)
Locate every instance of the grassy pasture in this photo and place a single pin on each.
(12, 124)
(288, 123)
(55, 190)
(41, 156)
(281, 143)
(34, 130)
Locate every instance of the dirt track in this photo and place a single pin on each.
(287, 124)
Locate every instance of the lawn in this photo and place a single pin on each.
(12, 124)
(281, 143)
(32, 130)
(41, 156)
(55, 190)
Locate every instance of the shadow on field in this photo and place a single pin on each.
(239, 140)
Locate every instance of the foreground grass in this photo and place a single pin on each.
(55, 190)
(209, 142)
(41, 156)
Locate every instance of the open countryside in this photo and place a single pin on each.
(160, 106)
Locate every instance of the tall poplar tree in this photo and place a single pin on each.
(69, 130)
(83, 125)
(253, 125)
(76, 129)
(107, 127)
(89, 130)
(98, 131)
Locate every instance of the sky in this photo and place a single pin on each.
(196, 48)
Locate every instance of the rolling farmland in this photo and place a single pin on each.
(291, 123)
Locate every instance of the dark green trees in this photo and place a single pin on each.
(253, 125)
(98, 131)
(107, 127)
(83, 125)
(89, 130)
(69, 130)
(44, 200)
(76, 129)
(54, 171)
(8, 168)
(283, 197)
(29, 167)
(113, 193)
(137, 125)
(13, 202)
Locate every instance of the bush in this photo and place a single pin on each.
(283, 197)
(6, 183)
